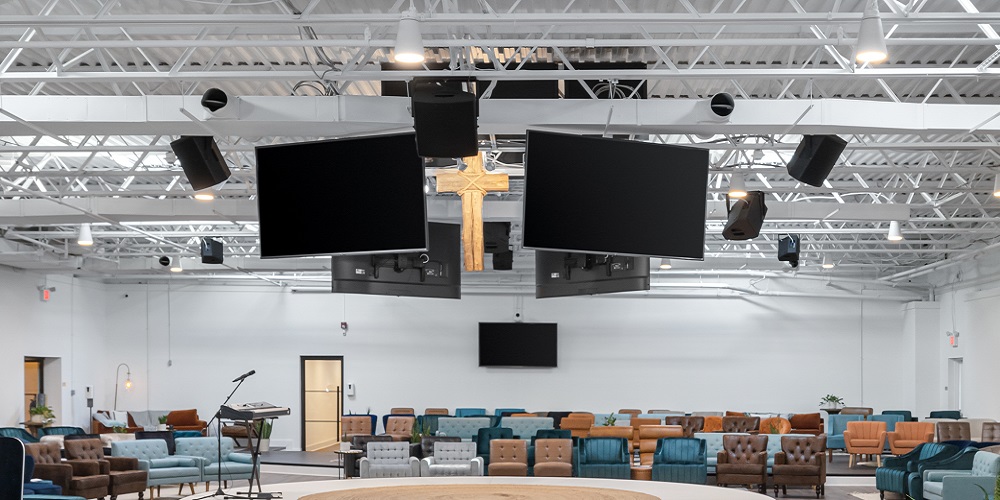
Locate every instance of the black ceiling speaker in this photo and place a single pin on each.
(722, 104)
(746, 217)
(788, 249)
(214, 99)
(211, 251)
(445, 119)
(815, 157)
(201, 160)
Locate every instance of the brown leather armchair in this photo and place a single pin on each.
(712, 424)
(807, 423)
(186, 420)
(437, 411)
(636, 424)
(81, 478)
(865, 438)
(554, 458)
(909, 435)
(800, 462)
(578, 424)
(356, 426)
(991, 432)
(402, 411)
(610, 431)
(123, 472)
(508, 457)
(741, 424)
(856, 410)
(400, 428)
(689, 425)
(742, 460)
(954, 431)
(649, 435)
(775, 425)
(631, 412)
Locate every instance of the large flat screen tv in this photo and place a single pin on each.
(565, 274)
(596, 195)
(435, 273)
(344, 196)
(518, 344)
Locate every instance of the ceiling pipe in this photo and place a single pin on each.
(941, 264)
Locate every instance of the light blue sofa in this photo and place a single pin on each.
(162, 467)
(466, 428)
(233, 465)
(713, 445)
(526, 427)
(948, 484)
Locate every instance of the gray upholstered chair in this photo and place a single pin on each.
(389, 459)
(452, 459)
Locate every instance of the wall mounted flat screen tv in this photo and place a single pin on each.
(565, 274)
(435, 273)
(518, 344)
(344, 196)
(596, 195)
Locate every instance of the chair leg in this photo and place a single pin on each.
(151, 495)
(191, 486)
(878, 460)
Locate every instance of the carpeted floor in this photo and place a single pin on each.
(484, 492)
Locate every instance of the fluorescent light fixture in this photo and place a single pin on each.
(827, 263)
(175, 265)
(665, 264)
(206, 194)
(871, 38)
(409, 43)
(894, 233)
(737, 185)
(85, 238)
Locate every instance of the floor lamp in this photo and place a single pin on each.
(128, 380)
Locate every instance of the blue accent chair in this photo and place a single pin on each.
(893, 474)
(547, 434)
(233, 465)
(836, 425)
(906, 414)
(499, 412)
(61, 431)
(680, 460)
(162, 467)
(960, 461)
(18, 434)
(483, 438)
(955, 414)
(943, 483)
(470, 412)
(605, 457)
(890, 423)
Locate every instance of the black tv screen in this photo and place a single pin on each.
(565, 274)
(358, 195)
(596, 195)
(436, 272)
(518, 344)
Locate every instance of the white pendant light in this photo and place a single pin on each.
(894, 233)
(665, 264)
(996, 186)
(871, 38)
(85, 238)
(737, 185)
(827, 263)
(176, 265)
(207, 194)
(409, 43)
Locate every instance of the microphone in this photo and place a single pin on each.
(245, 375)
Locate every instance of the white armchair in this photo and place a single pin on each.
(452, 459)
(389, 459)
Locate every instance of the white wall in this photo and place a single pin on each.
(69, 326)
(752, 353)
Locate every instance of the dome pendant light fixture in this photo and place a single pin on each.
(665, 264)
(827, 262)
(206, 194)
(871, 38)
(894, 232)
(737, 185)
(85, 238)
(177, 266)
(996, 186)
(409, 43)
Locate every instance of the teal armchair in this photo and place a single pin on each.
(61, 431)
(955, 414)
(470, 412)
(959, 461)
(939, 484)
(895, 471)
(680, 460)
(906, 414)
(605, 457)
(18, 433)
(835, 433)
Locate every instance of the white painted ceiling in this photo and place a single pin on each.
(91, 94)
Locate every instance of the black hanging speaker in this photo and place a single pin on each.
(815, 157)
(201, 160)
(746, 216)
(445, 119)
(211, 251)
(788, 248)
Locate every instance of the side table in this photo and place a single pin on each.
(349, 462)
(642, 472)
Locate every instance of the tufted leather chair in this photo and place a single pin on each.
(451, 458)
(400, 428)
(360, 442)
(577, 423)
(689, 425)
(741, 424)
(437, 411)
(908, 435)
(806, 423)
(991, 432)
(427, 444)
(650, 435)
(553, 458)
(78, 478)
(775, 425)
(356, 426)
(680, 460)
(742, 460)
(865, 438)
(508, 457)
(123, 472)
(953, 431)
(801, 462)
(610, 431)
(389, 459)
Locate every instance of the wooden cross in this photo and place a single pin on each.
(471, 184)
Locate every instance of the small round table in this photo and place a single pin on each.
(348, 462)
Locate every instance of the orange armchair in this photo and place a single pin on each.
(712, 424)
(865, 438)
(578, 424)
(909, 435)
(775, 425)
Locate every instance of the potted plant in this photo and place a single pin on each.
(42, 414)
(831, 402)
(263, 431)
(163, 423)
(609, 421)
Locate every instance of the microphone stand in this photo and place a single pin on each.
(218, 435)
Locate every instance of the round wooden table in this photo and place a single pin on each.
(642, 472)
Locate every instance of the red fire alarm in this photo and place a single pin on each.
(46, 292)
(952, 339)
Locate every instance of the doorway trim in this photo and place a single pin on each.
(302, 392)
